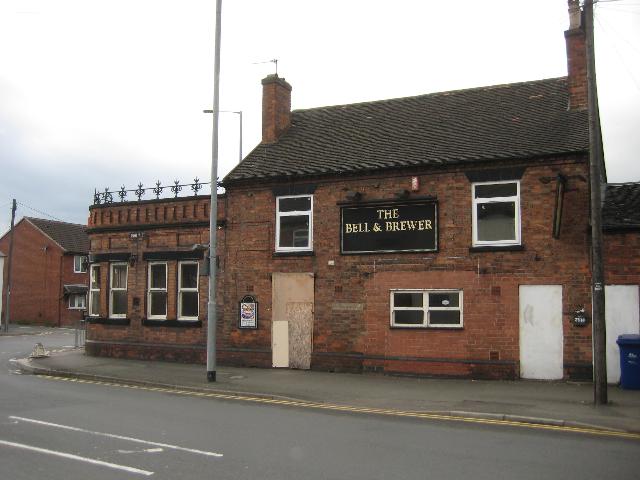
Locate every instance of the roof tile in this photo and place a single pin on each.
(621, 206)
(511, 121)
(70, 236)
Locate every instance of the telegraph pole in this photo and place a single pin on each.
(8, 294)
(595, 173)
(213, 211)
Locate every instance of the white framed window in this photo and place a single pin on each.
(188, 298)
(294, 223)
(426, 308)
(77, 301)
(118, 290)
(496, 213)
(157, 292)
(94, 291)
(80, 264)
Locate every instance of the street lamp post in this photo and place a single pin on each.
(240, 144)
(239, 112)
(213, 211)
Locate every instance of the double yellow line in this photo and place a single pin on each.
(345, 408)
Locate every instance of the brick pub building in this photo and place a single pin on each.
(443, 234)
(147, 278)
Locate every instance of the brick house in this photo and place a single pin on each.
(443, 234)
(49, 272)
(621, 225)
(2, 257)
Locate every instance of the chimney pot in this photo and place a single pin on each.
(575, 19)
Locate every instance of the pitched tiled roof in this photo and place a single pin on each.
(621, 208)
(514, 121)
(70, 236)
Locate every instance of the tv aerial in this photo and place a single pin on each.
(274, 61)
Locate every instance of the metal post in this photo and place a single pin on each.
(8, 294)
(595, 173)
(239, 113)
(213, 213)
(240, 146)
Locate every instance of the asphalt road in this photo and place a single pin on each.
(53, 429)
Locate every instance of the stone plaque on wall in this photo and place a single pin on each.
(118, 242)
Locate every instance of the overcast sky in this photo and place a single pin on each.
(97, 94)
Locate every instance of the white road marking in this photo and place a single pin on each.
(71, 456)
(119, 437)
(144, 450)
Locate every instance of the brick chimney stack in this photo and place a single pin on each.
(276, 108)
(576, 58)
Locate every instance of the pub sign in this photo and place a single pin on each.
(389, 227)
(248, 313)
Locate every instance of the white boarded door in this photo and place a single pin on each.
(621, 317)
(280, 343)
(541, 337)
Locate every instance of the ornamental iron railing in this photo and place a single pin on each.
(142, 193)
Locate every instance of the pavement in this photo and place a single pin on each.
(17, 330)
(556, 403)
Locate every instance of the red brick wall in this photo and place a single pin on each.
(172, 225)
(276, 107)
(576, 68)
(356, 339)
(622, 261)
(359, 337)
(39, 270)
(151, 212)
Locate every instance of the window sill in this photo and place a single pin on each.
(302, 253)
(109, 321)
(497, 248)
(425, 327)
(172, 323)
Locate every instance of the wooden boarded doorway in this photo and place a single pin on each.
(292, 320)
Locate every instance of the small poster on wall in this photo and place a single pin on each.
(248, 313)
